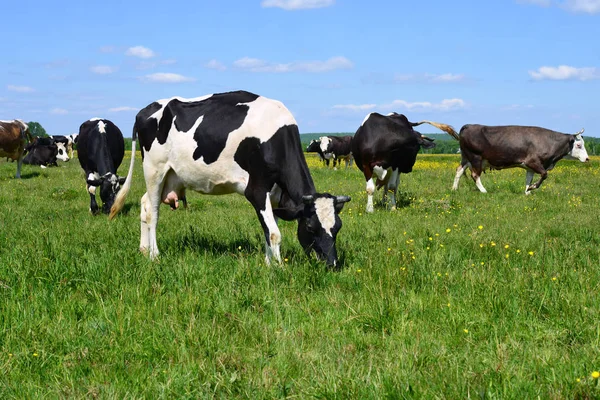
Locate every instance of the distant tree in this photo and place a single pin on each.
(37, 129)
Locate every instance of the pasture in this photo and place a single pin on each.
(454, 295)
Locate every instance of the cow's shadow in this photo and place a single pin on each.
(30, 175)
(194, 240)
(403, 200)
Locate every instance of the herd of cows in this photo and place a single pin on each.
(239, 142)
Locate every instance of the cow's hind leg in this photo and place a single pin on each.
(19, 164)
(151, 204)
(464, 164)
(392, 187)
(145, 223)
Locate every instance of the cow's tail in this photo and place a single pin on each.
(444, 127)
(122, 194)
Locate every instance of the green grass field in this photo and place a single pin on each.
(454, 295)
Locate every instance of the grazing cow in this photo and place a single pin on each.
(337, 147)
(44, 152)
(100, 149)
(14, 137)
(235, 142)
(387, 145)
(535, 149)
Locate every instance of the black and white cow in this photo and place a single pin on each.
(100, 149)
(45, 151)
(535, 149)
(235, 142)
(337, 148)
(68, 141)
(385, 146)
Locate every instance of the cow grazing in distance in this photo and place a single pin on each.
(236, 142)
(100, 149)
(385, 146)
(45, 152)
(339, 148)
(14, 137)
(535, 149)
(315, 147)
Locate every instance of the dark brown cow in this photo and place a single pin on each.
(337, 148)
(14, 136)
(535, 149)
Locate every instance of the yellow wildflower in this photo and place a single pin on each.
(595, 374)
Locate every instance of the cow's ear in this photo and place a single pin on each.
(94, 182)
(339, 203)
(288, 214)
(122, 180)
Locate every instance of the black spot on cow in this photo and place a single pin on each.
(222, 114)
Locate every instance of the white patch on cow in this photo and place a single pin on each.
(380, 172)
(92, 176)
(95, 119)
(366, 118)
(272, 248)
(480, 185)
(578, 152)
(101, 127)
(163, 102)
(324, 143)
(370, 191)
(459, 172)
(326, 213)
(61, 153)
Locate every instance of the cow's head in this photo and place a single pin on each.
(318, 224)
(313, 146)
(578, 151)
(61, 152)
(109, 185)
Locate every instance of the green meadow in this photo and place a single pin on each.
(453, 295)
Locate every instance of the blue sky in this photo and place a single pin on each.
(331, 62)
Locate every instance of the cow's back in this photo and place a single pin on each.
(100, 151)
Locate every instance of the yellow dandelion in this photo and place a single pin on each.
(518, 251)
(493, 243)
(441, 245)
(554, 278)
(389, 249)
(480, 227)
(482, 263)
(506, 256)
(578, 380)
(430, 238)
(506, 246)
(481, 245)
(437, 234)
(448, 304)
(285, 259)
(239, 247)
(465, 330)
(35, 354)
(359, 270)
(448, 230)
(595, 374)
(530, 253)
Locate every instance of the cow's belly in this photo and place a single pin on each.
(11, 152)
(175, 161)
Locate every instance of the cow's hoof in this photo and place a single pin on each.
(393, 208)
(370, 209)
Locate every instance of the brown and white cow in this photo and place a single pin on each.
(14, 136)
(535, 149)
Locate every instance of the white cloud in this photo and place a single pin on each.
(403, 105)
(121, 109)
(576, 6)
(20, 89)
(103, 69)
(59, 111)
(291, 5)
(257, 65)
(215, 64)
(565, 72)
(166, 77)
(583, 6)
(140, 51)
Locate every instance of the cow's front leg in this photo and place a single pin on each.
(261, 200)
(370, 187)
(93, 205)
(528, 179)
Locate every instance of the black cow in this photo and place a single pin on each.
(387, 145)
(235, 142)
(45, 151)
(100, 149)
(498, 147)
(338, 148)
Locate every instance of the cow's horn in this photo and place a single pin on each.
(342, 199)
(307, 199)
(580, 132)
(427, 138)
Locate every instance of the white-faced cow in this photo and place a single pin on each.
(14, 137)
(535, 149)
(337, 148)
(100, 149)
(68, 141)
(385, 146)
(235, 142)
(45, 152)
